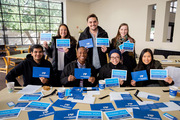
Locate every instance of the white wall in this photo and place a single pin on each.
(112, 13)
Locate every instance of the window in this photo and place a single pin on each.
(22, 21)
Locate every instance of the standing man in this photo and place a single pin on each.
(25, 68)
(96, 55)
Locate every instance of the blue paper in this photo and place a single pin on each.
(128, 41)
(88, 43)
(145, 114)
(82, 73)
(160, 105)
(126, 96)
(144, 107)
(65, 114)
(170, 117)
(30, 97)
(139, 75)
(46, 36)
(175, 101)
(158, 74)
(152, 106)
(112, 82)
(67, 92)
(121, 46)
(118, 114)
(89, 115)
(76, 90)
(60, 43)
(64, 104)
(21, 104)
(122, 74)
(41, 72)
(153, 97)
(102, 107)
(38, 106)
(126, 103)
(9, 113)
(78, 96)
(102, 41)
(34, 115)
(128, 46)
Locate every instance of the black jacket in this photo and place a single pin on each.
(25, 68)
(101, 34)
(106, 71)
(157, 65)
(69, 70)
(52, 53)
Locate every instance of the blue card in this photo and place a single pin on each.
(160, 105)
(41, 72)
(67, 92)
(170, 117)
(11, 113)
(76, 90)
(112, 82)
(46, 36)
(65, 114)
(82, 73)
(102, 41)
(60, 43)
(64, 104)
(118, 114)
(144, 107)
(88, 43)
(82, 114)
(34, 115)
(30, 97)
(78, 96)
(121, 46)
(175, 101)
(145, 114)
(126, 103)
(122, 74)
(128, 41)
(139, 75)
(153, 97)
(152, 106)
(38, 106)
(128, 46)
(126, 96)
(158, 74)
(21, 104)
(102, 107)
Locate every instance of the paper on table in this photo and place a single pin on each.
(10, 113)
(93, 93)
(171, 107)
(29, 89)
(145, 95)
(117, 95)
(145, 102)
(87, 99)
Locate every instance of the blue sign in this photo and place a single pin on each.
(64, 104)
(139, 75)
(41, 72)
(102, 107)
(82, 73)
(102, 41)
(65, 114)
(121, 46)
(128, 46)
(88, 43)
(118, 114)
(122, 74)
(112, 82)
(126, 103)
(30, 97)
(46, 36)
(60, 43)
(158, 74)
(4, 114)
(89, 115)
(38, 106)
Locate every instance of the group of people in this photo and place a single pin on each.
(65, 60)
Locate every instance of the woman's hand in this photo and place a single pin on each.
(43, 80)
(121, 82)
(122, 51)
(45, 45)
(66, 50)
(133, 82)
(168, 80)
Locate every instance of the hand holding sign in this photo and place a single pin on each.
(43, 80)
(91, 79)
(103, 48)
(71, 78)
(168, 80)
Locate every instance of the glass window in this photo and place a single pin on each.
(27, 3)
(9, 2)
(27, 18)
(42, 19)
(26, 11)
(10, 17)
(40, 4)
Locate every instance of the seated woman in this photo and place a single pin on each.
(115, 63)
(147, 62)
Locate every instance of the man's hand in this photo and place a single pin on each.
(91, 79)
(121, 81)
(43, 80)
(66, 50)
(103, 48)
(71, 78)
(133, 82)
(45, 44)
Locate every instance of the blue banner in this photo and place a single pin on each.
(60, 43)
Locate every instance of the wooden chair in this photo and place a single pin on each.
(7, 67)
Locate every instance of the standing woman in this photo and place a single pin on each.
(147, 62)
(61, 56)
(122, 36)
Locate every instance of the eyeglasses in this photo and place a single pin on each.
(115, 58)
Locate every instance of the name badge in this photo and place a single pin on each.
(41, 72)
(139, 75)
(46, 36)
(122, 74)
(102, 41)
(128, 46)
(158, 74)
(86, 43)
(60, 43)
(82, 73)
(112, 82)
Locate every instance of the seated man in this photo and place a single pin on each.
(25, 68)
(67, 77)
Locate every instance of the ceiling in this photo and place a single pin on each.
(84, 1)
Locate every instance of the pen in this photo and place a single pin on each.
(129, 89)
(104, 97)
(51, 100)
(137, 96)
(112, 89)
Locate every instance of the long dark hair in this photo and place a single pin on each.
(72, 39)
(141, 65)
(118, 36)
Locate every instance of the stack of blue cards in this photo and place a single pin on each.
(127, 46)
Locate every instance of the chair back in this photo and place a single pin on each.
(7, 67)
(174, 57)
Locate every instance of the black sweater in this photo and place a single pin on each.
(25, 68)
